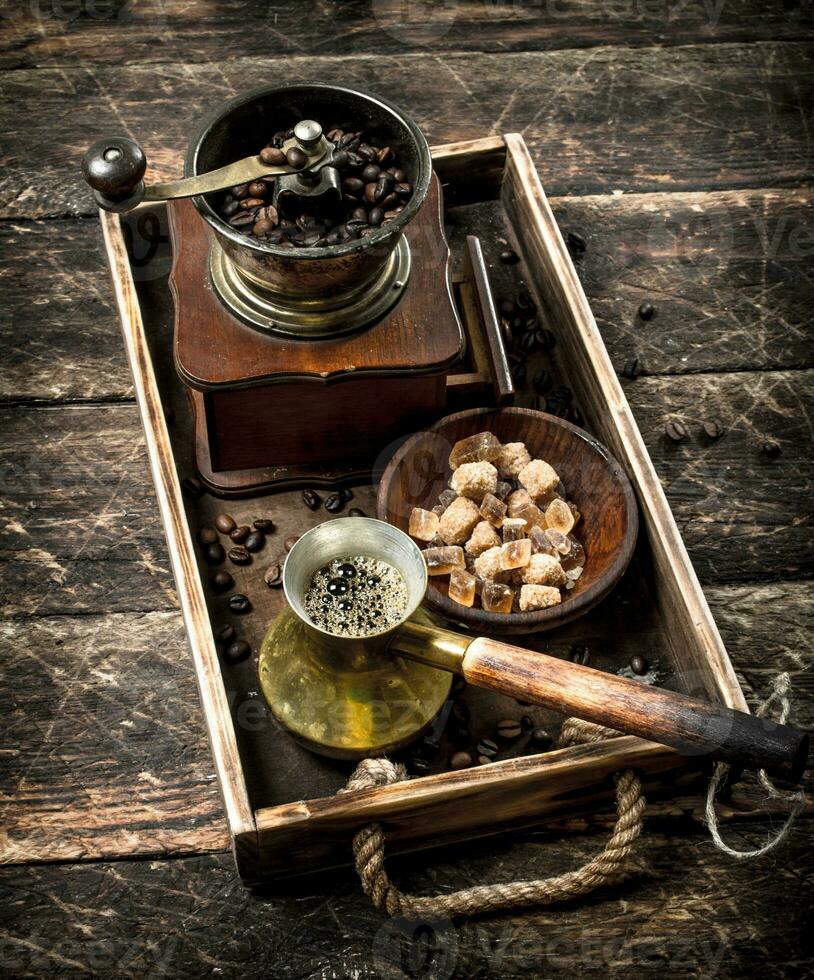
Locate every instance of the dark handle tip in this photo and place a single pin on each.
(114, 168)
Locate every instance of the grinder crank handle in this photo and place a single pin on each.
(115, 168)
(692, 727)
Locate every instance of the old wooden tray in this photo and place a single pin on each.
(280, 801)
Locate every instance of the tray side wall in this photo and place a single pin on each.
(211, 689)
(700, 654)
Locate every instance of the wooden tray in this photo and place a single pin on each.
(280, 802)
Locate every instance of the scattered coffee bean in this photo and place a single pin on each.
(458, 686)
(540, 739)
(509, 257)
(487, 747)
(639, 665)
(579, 654)
(311, 499)
(632, 368)
(225, 523)
(524, 299)
(508, 308)
(222, 581)
(542, 381)
(346, 494)
(356, 512)
(676, 431)
(712, 429)
(207, 535)
(509, 729)
(460, 760)
(237, 651)
(240, 533)
(274, 576)
(239, 603)
(460, 712)
(239, 556)
(263, 524)
(191, 488)
(575, 244)
(290, 541)
(225, 634)
(255, 541)
(214, 553)
(771, 449)
(419, 764)
(647, 311)
(484, 760)
(430, 743)
(334, 503)
(526, 723)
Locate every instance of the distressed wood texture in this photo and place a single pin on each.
(602, 120)
(121, 33)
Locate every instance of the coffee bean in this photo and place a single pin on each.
(508, 729)
(639, 665)
(487, 747)
(272, 157)
(579, 654)
(207, 535)
(712, 429)
(575, 244)
(356, 512)
(250, 203)
(460, 760)
(237, 651)
(353, 185)
(240, 191)
(290, 541)
(370, 173)
(430, 744)
(376, 217)
(311, 499)
(240, 533)
(419, 764)
(239, 556)
(526, 723)
(676, 431)
(191, 488)
(296, 158)
(257, 188)
(509, 257)
(273, 576)
(255, 541)
(524, 299)
(460, 712)
(225, 634)
(508, 308)
(632, 370)
(647, 311)
(225, 523)
(222, 581)
(214, 553)
(334, 503)
(239, 603)
(484, 760)
(542, 381)
(771, 449)
(540, 739)
(264, 525)
(345, 493)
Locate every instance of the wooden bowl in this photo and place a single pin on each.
(595, 481)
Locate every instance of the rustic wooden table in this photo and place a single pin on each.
(674, 138)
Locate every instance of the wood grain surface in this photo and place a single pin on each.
(698, 114)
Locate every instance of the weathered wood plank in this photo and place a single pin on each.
(727, 272)
(116, 33)
(687, 908)
(620, 119)
(105, 748)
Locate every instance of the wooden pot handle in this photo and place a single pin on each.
(692, 727)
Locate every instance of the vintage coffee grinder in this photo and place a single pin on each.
(303, 363)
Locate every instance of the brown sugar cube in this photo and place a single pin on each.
(573, 508)
(458, 520)
(441, 561)
(423, 524)
(484, 537)
(474, 480)
(540, 543)
(514, 528)
(544, 570)
(574, 557)
(533, 597)
(538, 478)
(493, 510)
(487, 566)
(462, 587)
(474, 449)
(445, 498)
(513, 457)
(516, 501)
(515, 554)
(558, 541)
(532, 515)
(496, 597)
(503, 489)
(558, 516)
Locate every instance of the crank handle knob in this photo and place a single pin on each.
(114, 168)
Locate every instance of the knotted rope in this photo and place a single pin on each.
(606, 867)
